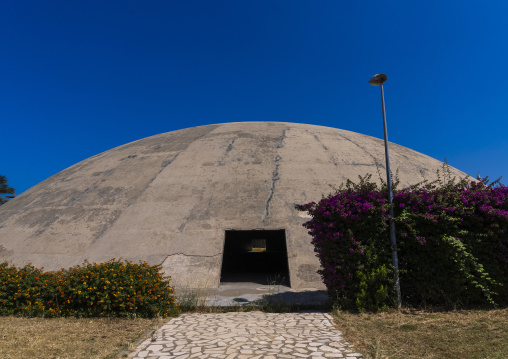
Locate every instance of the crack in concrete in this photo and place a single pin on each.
(163, 166)
(166, 164)
(188, 255)
(376, 163)
(281, 139)
(275, 175)
(191, 255)
(228, 149)
(275, 178)
(330, 155)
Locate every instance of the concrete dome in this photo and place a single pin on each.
(172, 199)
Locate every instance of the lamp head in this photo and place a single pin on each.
(377, 79)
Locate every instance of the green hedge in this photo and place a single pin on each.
(111, 289)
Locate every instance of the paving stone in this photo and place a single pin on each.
(247, 335)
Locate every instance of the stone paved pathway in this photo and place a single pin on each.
(253, 335)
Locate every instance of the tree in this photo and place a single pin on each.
(5, 189)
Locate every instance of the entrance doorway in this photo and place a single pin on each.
(256, 256)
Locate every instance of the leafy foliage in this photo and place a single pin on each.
(452, 243)
(111, 289)
(5, 189)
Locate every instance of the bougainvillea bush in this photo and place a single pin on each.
(111, 289)
(452, 239)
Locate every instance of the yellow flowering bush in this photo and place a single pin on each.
(111, 289)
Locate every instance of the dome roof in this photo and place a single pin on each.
(168, 199)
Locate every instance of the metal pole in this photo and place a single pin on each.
(395, 259)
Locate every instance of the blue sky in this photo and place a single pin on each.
(79, 78)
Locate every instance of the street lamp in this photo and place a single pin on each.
(377, 80)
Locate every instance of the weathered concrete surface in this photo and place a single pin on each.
(168, 199)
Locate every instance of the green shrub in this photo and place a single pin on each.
(375, 289)
(452, 242)
(110, 289)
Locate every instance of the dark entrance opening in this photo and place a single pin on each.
(256, 256)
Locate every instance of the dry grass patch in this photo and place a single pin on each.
(408, 334)
(69, 337)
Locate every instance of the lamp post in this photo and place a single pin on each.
(377, 80)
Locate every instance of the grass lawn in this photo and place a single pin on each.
(62, 338)
(467, 334)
